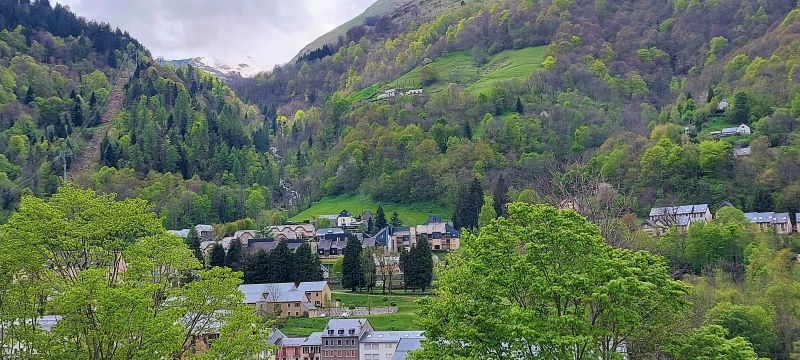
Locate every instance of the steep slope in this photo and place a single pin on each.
(399, 11)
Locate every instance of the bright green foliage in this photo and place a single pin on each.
(550, 283)
(753, 323)
(714, 155)
(711, 342)
(72, 249)
(487, 213)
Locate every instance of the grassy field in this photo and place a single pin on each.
(719, 123)
(403, 319)
(410, 214)
(459, 67)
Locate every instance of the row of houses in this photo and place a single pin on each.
(347, 339)
(662, 218)
(390, 93)
(330, 242)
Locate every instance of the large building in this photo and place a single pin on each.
(662, 218)
(341, 337)
(779, 223)
(440, 235)
(292, 232)
(288, 299)
(381, 345)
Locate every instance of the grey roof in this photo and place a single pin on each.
(324, 231)
(285, 292)
(47, 322)
(269, 244)
(274, 336)
(767, 217)
(203, 227)
(679, 210)
(406, 346)
(291, 341)
(315, 339)
(390, 336)
(346, 325)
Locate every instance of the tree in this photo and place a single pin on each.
(352, 272)
(740, 114)
(753, 323)
(368, 268)
(234, 256)
(468, 204)
(487, 213)
(307, 266)
(380, 219)
(146, 312)
(258, 268)
(193, 242)
(281, 263)
(422, 258)
(500, 196)
(428, 75)
(406, 267)
(710, 342)
(385, 268)
(216, 256)
(555, 290)
(520, 107)
(396, 219)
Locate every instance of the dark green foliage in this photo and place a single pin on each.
(468, 205)
(500, 196)
(395, 221)
(520, 108)
(193, 241)
(259, 268)
(234, 256)
(420, 265)
(740, 113)
(380, 219)
(352, 273)
(216, 256)
(306, 264)
(281, 262)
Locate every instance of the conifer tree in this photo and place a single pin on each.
(258, 268)
(469, 203)
(306, 264)
(193, 241)
(500, 196)
(352, 273)
(396, 219)
(520, 107)
(233, 258)
(380, 219)
(281, 263)
(216, 257)
(422, 260)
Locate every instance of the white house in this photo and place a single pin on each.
(344, 219)
(381, 345)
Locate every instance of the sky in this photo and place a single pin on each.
(262, 33)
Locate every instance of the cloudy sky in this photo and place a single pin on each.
(262, 33)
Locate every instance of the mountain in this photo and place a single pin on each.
(217, 68)
(394, 11)
(83, 100)
(543, 94)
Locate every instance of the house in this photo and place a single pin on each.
(289, 348)
(288, 299)
(662, 218)
(779, 223)
(294, 231)
(340, 339)
(344, 219)
(269, 244)
(333, 244)
(382, 344)
(414, 92)
(732, 131)
(739, 152)
(205, 232)
(390, 236)
(366, 216)
(441, 235)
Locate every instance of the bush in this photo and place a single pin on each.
(385, 298)
(352, 307)
(338, 299)
(393, 303)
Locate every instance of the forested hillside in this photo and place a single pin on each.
(180, 139)
(620, 83)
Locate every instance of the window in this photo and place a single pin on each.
(338, 342)
(330, 332)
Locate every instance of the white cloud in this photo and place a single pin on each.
(260, 33)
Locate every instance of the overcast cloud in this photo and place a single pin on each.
(261, 33)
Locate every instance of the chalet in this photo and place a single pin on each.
(333, 244)
(344, 219)
(779, 223)
(733, 131)
(441, 235)
(288, 299)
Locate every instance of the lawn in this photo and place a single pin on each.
(459, 67)
(403, 319)
(410, 214)
(719, 123)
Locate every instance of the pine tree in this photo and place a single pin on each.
(710, 95)
(500, 196)
(30, 95)
(422, 258)
(396, 219)
(371, 227)
(352, 273)
(281, 263)
(193, 241)
(258, 268)
(77, 114)
(92, 100)
(233, 259)
(306, 264)
(520, 108)
(380, 219)
(368, 268)
(217, 256)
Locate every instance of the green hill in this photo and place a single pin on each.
(460, 68)
(410, 214)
